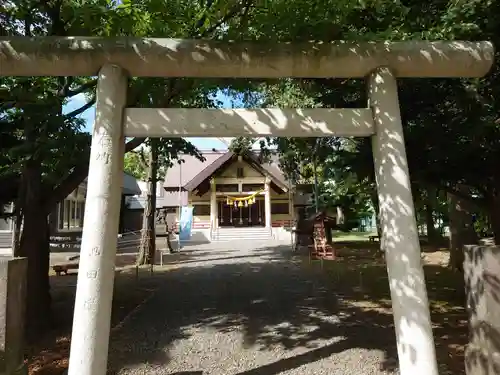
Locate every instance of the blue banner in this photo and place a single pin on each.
(186, 223)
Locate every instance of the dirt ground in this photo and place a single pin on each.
(362, 272)
(132, 287)
(359, 272)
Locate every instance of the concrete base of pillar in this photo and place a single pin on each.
(12, 315)
(482, 283)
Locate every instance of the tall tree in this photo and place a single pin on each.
(461, 115)
(163, 153)
(31, 110)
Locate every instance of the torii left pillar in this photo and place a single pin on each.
(94, 293)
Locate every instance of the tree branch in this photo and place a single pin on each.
(78, 175)
(4, 106)
(133, 143)
(65, 83)
(80, 172)
(142, 159)
(9, 188)
(66, 92)
(478, 202)
(82, 109)
(237, 10)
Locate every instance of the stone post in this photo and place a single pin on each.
(482, 284)
(267, 204)
(12, 314)
(94, 293)
(400, 240)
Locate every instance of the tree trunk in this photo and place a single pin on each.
(432, 235)
(376, 208)
(169, 241)
(302, 232)
(495, 218)
(148, 234)
(461, 230)
(34, 244)
(78, 175)
(316, 185)
(340, 215)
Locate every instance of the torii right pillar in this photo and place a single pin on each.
(399, 240)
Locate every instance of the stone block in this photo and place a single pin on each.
(482, 283)
(12, 314)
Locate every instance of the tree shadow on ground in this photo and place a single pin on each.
(49, 356)
(283, 301)
(196, 256)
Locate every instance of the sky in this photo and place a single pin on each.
(202, 143)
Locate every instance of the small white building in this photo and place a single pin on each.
(67, 218)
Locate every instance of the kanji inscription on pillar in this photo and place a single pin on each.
(103, 156)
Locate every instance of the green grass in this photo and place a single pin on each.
(339, 236)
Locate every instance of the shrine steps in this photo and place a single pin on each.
(241, 233)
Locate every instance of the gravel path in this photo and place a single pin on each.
(251, 311)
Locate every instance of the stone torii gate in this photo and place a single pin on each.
(113, 60)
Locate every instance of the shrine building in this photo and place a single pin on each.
(227, 191)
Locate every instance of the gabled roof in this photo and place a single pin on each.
(182, 174)
(208, 171)
(130, 185)
(270, 169)
(322, 215)
(190, 174)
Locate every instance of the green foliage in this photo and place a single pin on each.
(240, 145)
(452, 129)
(482, 225)
(344, 187)
(171, 150)
(135, 164)
(43, 153)
(56, 139)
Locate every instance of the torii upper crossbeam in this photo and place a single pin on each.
(84, 56)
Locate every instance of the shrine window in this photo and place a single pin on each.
(280, 208)
(201, 209)
(227, 188)
(252, 187)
